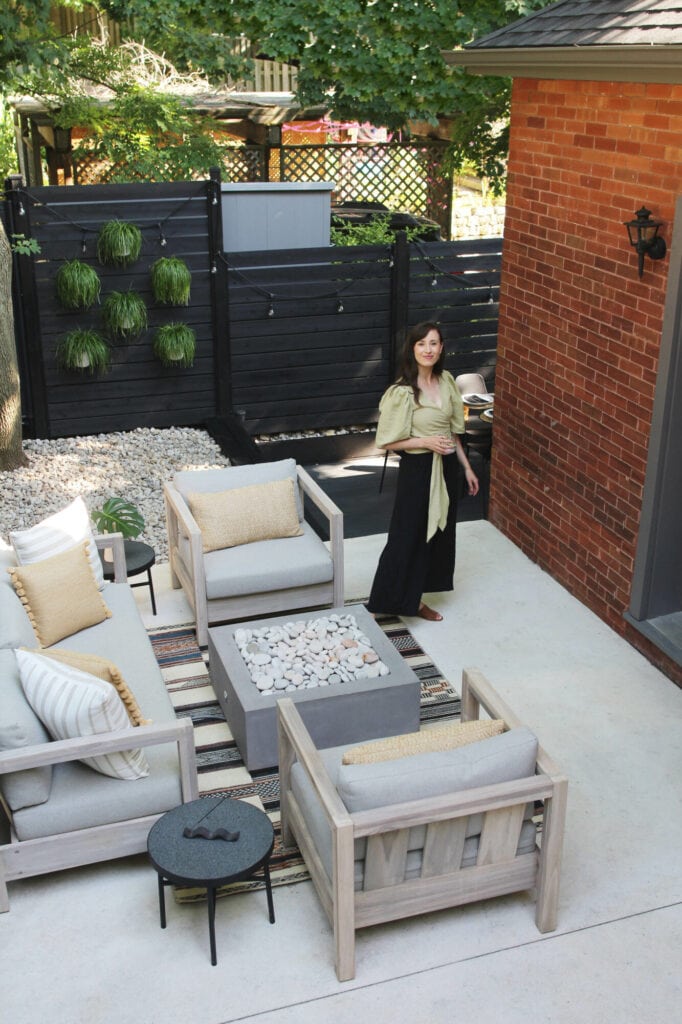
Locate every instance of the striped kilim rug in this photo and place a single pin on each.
(219, 763)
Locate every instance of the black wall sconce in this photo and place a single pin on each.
(643, 235)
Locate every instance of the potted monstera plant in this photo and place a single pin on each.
(119, 243)
(175, 344)
(171, 281)
(84, 350)
(124, 314)
(118, 516)
(78, 285)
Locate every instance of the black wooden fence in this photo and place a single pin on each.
(290, 339)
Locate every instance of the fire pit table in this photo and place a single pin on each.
(334, 713)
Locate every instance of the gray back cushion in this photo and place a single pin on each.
(20, 727)
(511, 755)
(209, 481)
(15, 626)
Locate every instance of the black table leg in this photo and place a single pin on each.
(268, 890)
(162, 902)
(151, 590)
(210, 892)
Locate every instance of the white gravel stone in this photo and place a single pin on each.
(132, 465)
(329, 650)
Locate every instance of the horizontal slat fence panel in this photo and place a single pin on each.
(310, 336)
(138, 391)
(292, 339)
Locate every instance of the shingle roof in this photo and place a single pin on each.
(592, 23)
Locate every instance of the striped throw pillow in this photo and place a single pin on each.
(71, 703)
(56, 534)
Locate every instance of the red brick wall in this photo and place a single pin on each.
(580, 332)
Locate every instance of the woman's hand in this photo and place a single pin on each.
(472, 481)
(439, 443)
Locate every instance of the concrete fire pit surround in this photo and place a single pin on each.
(345, 713)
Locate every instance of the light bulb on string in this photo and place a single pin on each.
(339, 306)
(162, 238)
(22, 211)
(434, 282)
(271, 309)
(83, 244)
(214, 268)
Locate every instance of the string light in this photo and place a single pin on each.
(162, 238)
(434, 282)
(271, 309)
(214, 268)
(22, 211)
(339, 306)
(84, 245)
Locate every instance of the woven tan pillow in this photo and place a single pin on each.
(60, 594)
(104, 669)
(246, 514)
(427, 741)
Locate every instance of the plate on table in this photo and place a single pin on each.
(487, 415)
(476, 400)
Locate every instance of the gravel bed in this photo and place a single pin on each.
(131, 465)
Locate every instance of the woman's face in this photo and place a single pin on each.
(428, 349)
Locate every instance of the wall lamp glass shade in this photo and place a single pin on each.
(644, 237)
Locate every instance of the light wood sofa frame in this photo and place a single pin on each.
(28, 857)
(443, 883)
(191, 576)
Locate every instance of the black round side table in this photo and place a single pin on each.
(182, 855)
(140, 557)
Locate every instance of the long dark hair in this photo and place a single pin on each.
(409, 368)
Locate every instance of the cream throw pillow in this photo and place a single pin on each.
(58, 533)
(94, 665)
(60, 595)
(71, 703)
(246, 514)
(426, 741)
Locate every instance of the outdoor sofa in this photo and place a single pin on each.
(56, 812)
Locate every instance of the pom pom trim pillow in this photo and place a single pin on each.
(71, 703)
(244, 515)
(95, 665)
(56, 534)
(60, 595)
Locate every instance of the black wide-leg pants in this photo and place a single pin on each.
(408, 565)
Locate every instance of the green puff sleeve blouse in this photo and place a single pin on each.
(401, 417)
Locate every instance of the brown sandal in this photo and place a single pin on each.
(429, 614)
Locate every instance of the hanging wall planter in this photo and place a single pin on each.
(84, 350)
(118, 243)
(78, 285)
(124, 314)
(174, 344)
(171, 281)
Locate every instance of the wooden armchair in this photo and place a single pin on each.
(334, 840)
(254, 579)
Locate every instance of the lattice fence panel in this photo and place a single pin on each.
(403, 177)
(243, 163)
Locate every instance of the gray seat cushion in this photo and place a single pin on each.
(268, 565)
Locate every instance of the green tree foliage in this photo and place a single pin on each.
(373, 60)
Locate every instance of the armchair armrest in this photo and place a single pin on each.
(334, 516)
(115, 542)
(191, 577)
(59, 751)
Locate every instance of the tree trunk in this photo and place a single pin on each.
(11, 452)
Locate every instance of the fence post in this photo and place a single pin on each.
(220, 298)
(26, 314)
(400, 299)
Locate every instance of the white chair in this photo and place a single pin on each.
(263, 577)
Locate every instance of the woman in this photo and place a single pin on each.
(421, 416)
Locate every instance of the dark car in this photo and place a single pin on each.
(352, 213)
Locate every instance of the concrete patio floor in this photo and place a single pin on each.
(85, 947)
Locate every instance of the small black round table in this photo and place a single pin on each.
(183, 859)
(140, 557)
